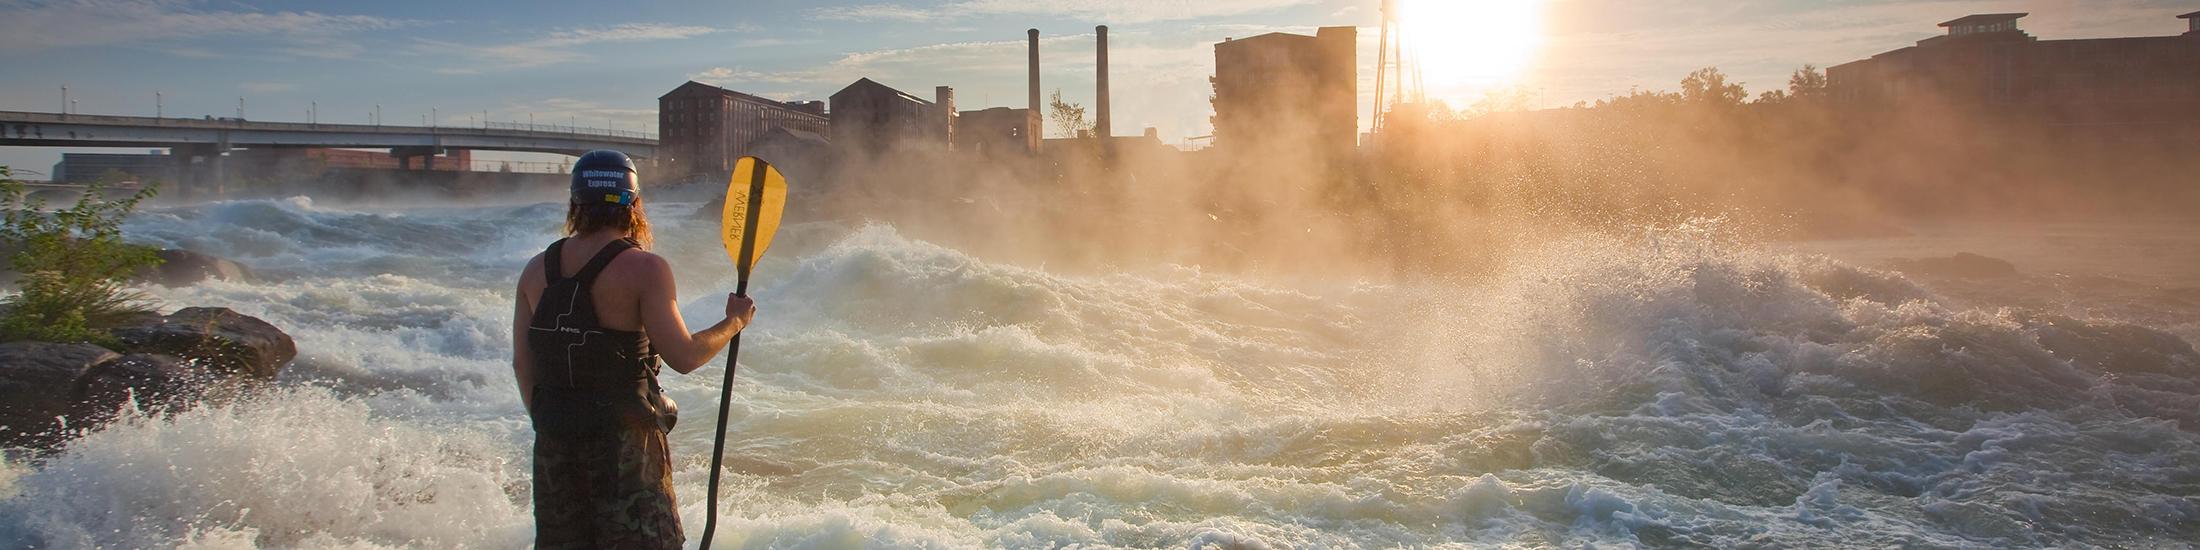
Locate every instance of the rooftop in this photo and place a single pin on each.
(693, 86)
(866, 82)
(1983, 18)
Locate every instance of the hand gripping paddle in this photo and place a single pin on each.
(753, 201)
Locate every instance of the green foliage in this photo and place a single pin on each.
(72, 264)
(1067, 118)
(1807, 83)
(1514, 99)
(1708, 85)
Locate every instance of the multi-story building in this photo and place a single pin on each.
(703, 129)
(1288, 92)
(92, 167)
(1986, 64)
(869, 116)
(997, 130)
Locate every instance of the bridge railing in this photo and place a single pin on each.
(521, 166)
(237, 123)
(563, 129)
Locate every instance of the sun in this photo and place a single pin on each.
(1465, 45)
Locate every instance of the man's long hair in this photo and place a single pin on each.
(585, 218)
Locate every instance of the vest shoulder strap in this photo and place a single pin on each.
(595, 266)
(551, 259)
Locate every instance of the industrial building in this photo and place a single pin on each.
(91, 167)
(869, 116)
(703, 129)
(995, 130)
(1288, 92)
(1986, 63)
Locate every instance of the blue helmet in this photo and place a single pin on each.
(605, 176)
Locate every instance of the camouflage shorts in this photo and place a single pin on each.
(608, 488)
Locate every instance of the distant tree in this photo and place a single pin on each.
(1213, 120)
(1067, 118)
(1772, 97)
(1638, 98)
(1807, 83)
(1709, 86)
(1501, 100)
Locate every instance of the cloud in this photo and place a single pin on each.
(1117, 11)
(192, 53)
(38, 25)
(770, 42)
(877, 12)
(723, 76)
(560, 46)
(267, 87)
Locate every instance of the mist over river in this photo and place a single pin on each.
(1673, 387)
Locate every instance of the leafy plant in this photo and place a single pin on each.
(72, 264)
(1068, 118)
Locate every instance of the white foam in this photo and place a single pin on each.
(1669, 388)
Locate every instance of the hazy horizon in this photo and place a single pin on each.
(565, 62)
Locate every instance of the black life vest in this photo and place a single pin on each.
(586, 374)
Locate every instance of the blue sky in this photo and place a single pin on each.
(606, 62)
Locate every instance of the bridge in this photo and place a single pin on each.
(197, 141)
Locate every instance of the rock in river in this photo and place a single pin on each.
(224, 341)
(35, 383)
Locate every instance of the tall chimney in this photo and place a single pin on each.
(1033, 121)
(943, 98)
(1101, 126)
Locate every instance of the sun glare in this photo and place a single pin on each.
(1471, 44)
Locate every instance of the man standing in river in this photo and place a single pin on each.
(594, 314)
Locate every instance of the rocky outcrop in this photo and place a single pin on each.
(167, 363)
(149, 382)
(35, 382)
(222, 341)
(185, 268)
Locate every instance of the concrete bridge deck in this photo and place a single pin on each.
(18, 128)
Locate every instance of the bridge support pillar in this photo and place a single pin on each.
(405, 156)
(221, 173)
(200, 169)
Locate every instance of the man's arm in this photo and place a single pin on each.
(668, 333)
(523, 358)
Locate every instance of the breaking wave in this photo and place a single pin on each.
(1663, 389)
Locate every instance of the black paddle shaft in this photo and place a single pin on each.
(733, 348)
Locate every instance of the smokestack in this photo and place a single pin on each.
(1033, 121)
(1101, 126)
(943, 98)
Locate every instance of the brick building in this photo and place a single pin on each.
(1987, 64)
(1290, 92)
(91, 167)
(703, 129)
(869, 116)
(996, 130)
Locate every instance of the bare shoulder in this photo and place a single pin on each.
(640, 265)
(532, 276)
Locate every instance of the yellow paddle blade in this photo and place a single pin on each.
(754, 199)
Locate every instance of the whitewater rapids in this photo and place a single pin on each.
(1659, 390)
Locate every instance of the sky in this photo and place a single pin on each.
(604, 63)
